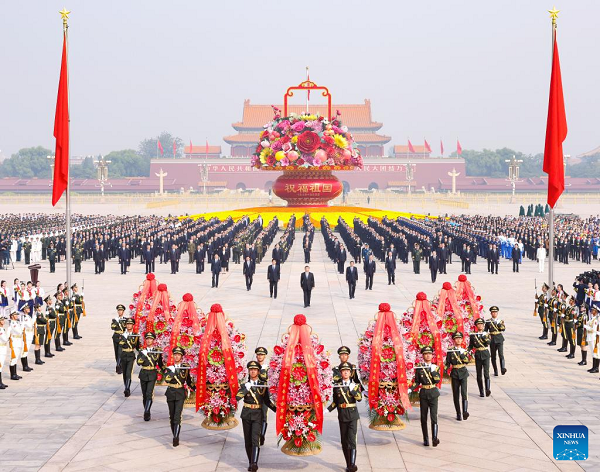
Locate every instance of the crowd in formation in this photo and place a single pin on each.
(30, 319)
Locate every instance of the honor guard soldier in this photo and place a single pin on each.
(255, 394)
(344, 354)
(40, 331)
(346, 394)
(571, 314)
(261, 354)
(580, 324)
(553, 312)
(542, 310)
(149, 360)
(458, 358)
(52, 320)
(128, 342)
(15, 342)
(118, 326)
(479, 342)
(495, 327)
(564, 304)
(4, 339)
(176, 376)
(63, 321)
(77, 310)
(427, 375)
(28, 324)
(592, 329)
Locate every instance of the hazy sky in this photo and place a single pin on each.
(474, 69)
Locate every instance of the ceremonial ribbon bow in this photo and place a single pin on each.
(186, 306)
(423, 309)
(149, 288)
(465, 291)
(216, 325)
(386, 318)
(447, 294)
(299, 335)
(162, 299)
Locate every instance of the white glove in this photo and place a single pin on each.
(352, 385)
(172, 368)
(433, 367)
(248, 386)
(409, 391)
(144, 352)
(461, 350)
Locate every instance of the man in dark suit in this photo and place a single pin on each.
(199, 256)
(215, 268)
(273, 276)
(174, 256)
(351, 278)
(341, 258)
(495, 256)
(433, 265)
(248, 270)
(390, 267)
(124, 254)
(516, 257)
(307, 282)
(149, 258)
(370, 268)
(442, 258)
(277, 254)
(307, 245)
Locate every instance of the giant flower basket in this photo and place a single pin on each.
(300, 382)
(142, 300)
(186, 333)
(159, 320)
(424, 328)
(467, 298)
(221, 367)
(382, 365)
(307, 148)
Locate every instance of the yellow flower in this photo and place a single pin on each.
(295, 139)
(340, 141)
(279, 155)
(266, 152)
(263, 159)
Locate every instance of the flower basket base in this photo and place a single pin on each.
(381, 424)
(190, 402)
(446, 380)
(416, 403)
(472, 361)
(229, 423)
(309, 449)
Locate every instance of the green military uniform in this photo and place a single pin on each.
(61, 310)
(495, 327)
(337, 375)
(568, 327)
(148, 360)
(255, 396)
(118, 326)
(40, 330)
(580, 322)
(76, 311)
(264, 376)
(553, 313)
(417, 255)
(479, 342)
(542, 310)
(77, 257)
(52, 258)
(427, 375)
(129, 342)
(176, 376)
(458, 358)
(561, 322)
(346, 394)
(52, 319)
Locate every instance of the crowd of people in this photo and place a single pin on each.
(31, 319)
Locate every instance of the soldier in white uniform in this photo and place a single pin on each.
(28, 330)
(15, 343)
(4, 337)
(593, 339)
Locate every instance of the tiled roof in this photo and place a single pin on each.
(202, 149)
(353, 116)
(403, 149)
(252, 138)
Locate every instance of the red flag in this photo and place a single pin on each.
(458, 148)
(61, 131)
(174, 148)
(427, 146)
(442, 146)
(162, 152)
(556, 132)
(410, 147)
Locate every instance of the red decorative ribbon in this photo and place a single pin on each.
(386, 318)
(216, 322)
(187, 306)
(448, 294)
(149, 288)
(299, 336)
(162, 299)
(464, 290)
(423, 309)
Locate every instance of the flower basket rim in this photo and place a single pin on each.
(336, 168)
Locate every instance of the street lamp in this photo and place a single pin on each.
(51, 159)
(410, 174)
(102, 173)
(513, 173)
(203, 176)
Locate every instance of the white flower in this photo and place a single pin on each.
(265, 144)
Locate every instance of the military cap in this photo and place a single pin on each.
(479, 321)
(121, 307)
(458, 334)
(25, 307)
(73, 286)
(178, 350)
(13, 312)
(253, 365)
(426, 350)
(150, 335)
(48, 297)
(344, 366)
(129, 321)
(37, 305)
(261, 350)
(343, 350)
(494, 308)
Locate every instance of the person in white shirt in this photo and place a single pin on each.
(4, 339)
(15, 342)
(13, 250)
(28, 331)
(541, 258)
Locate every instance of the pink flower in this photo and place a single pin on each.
(298, 126)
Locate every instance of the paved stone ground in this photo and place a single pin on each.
(71, 414)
